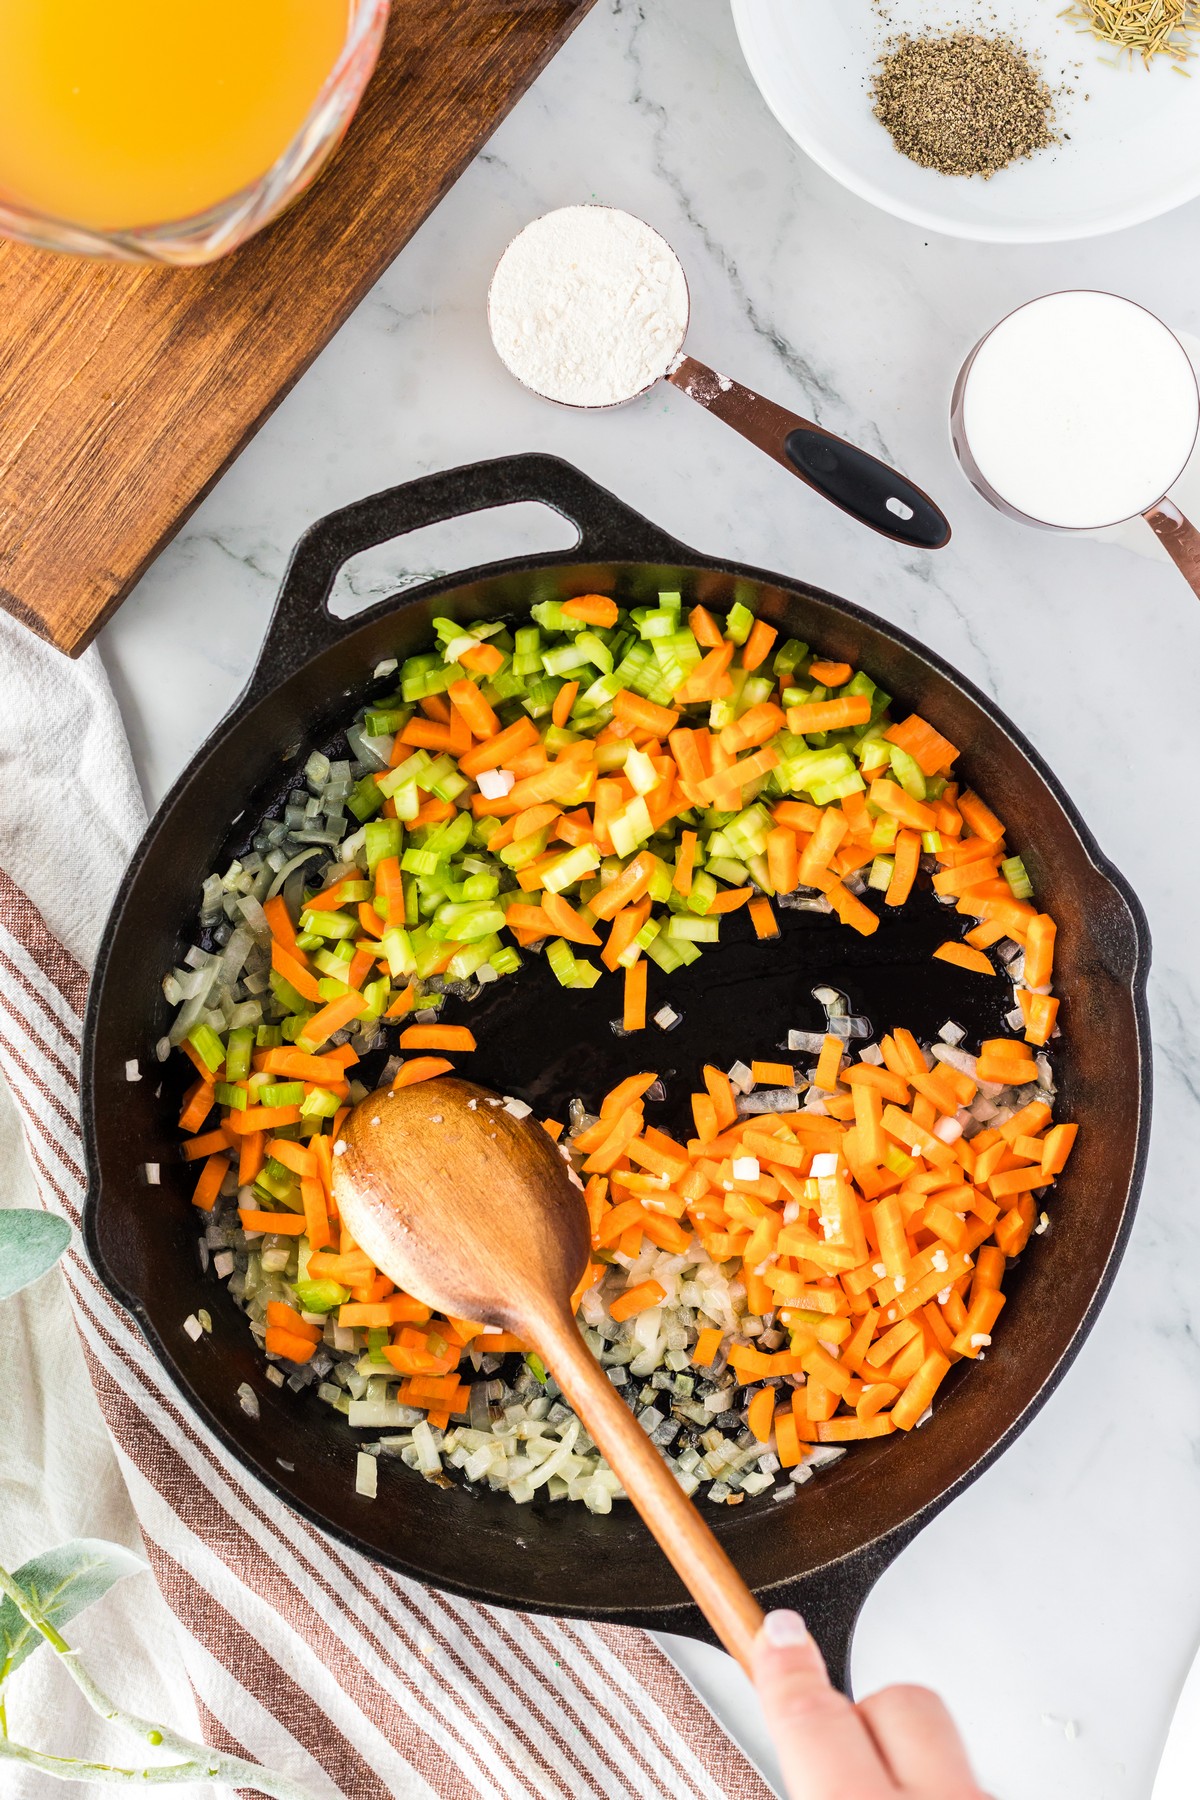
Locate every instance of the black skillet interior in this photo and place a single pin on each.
(825, 1546)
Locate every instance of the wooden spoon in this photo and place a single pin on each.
(474, 1213)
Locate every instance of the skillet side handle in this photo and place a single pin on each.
(302, 626)
(829, 1600)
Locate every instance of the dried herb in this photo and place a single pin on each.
(963, 104)
(1145, 28)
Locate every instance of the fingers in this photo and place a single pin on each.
(919, 1743)
(825, 1749)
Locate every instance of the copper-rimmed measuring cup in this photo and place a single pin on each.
(860, 485)
(1178, 536)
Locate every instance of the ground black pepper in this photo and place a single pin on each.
(963, 104)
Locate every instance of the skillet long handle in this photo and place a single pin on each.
(683, 1537)
(849, 478)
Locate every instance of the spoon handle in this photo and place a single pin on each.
(1179, 538)
(859, 484)
(684, 1538)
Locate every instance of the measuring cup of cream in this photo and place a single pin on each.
(589, 307)
(1081, 410)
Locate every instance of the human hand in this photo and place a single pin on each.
(901, 1741)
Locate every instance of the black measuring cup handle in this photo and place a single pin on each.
(849, 478)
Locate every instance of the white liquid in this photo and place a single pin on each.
(1080, 409)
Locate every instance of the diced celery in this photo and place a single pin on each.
(642, 941)
(319, 1103)
(471, 957)
(907, 771)
(573, 865)
(739, 622)
(396, 945)
(704, 891)
(726, 869)
(561, 958)
(375, 993)
(228, 1093)
(506, 961)
(790, 656)
(931, 842)
(321, 1296)
(238, 1052)
(525, 850)
(207, 1045)
(330, 924)
(666, 952)
(882, 870)
(427, 774)
(641, 772)
(419, 861)
(278, 1093)
(1017, 877)
(365, 799)
(660, 882)
(267, 1037)
(586, 973)
(286, 994)
(694, 931)
(331, 989)
(824, 793)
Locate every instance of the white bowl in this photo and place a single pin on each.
(1131, 146)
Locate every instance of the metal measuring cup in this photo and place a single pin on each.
(858, 484)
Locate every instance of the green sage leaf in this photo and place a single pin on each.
(62, 1583)
(31, 1242)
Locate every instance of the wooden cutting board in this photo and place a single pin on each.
(125, 390)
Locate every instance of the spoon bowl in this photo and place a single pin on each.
(476, 1212)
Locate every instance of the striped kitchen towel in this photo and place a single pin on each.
(299, 1652)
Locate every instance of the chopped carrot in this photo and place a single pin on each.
(830, 674)
(907, 851)
(294, 971)
(322, 1025)
(707, 1345)
(637, 1300)
(634, 1013)
(758, 645)
(704, 628)
(1039, 952)
(685, 862)
(761, 1415)
(288, 1319)
(964, 957)
(437, 1037)
(474, 708)
(421, 1068)
(773, 1074)
(290, 1345)
(631, 709)
(288, 1223)
(593, 609)
(209, 1185)
(830, 715)
(829, 1064)
(564, 700)
(483, 659)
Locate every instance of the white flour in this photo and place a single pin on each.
(588, 306)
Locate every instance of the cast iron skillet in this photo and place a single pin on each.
(823, 1549)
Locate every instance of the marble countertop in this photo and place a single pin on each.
(1056, 1605)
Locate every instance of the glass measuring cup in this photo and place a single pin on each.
(1078, 411)
(251, 122)
(859, 484)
